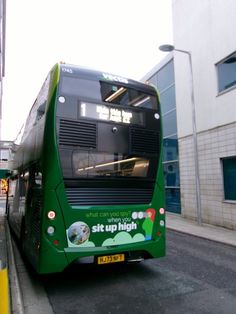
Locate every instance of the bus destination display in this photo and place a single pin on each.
(107, 113)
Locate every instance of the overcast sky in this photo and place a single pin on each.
(120, 37)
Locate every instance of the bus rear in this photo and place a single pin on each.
(110, 199)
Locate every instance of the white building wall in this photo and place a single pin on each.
(207, 29)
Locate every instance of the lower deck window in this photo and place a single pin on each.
(229, 174)
(88, 164)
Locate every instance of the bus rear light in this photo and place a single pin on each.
(51, 214)
(56, 242)
(162, 211)
(162, 223)
(50, 230)
(158, 233)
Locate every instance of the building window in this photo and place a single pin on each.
(4, 155)
(164, 80)
(167, 98)
(229, 174)
(169, 123)
(170, 148)
(226, 71)
(165, 76)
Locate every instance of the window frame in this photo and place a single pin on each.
(227, 89)
(225, 198)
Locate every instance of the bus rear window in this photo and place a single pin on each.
(91, 164)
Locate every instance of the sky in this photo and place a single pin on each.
(120, 37)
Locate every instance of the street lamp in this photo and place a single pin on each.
(168, 48)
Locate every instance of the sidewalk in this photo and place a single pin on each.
(210, 232)
(3, 257)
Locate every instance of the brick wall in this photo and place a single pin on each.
(213, 145)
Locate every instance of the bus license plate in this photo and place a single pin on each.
(111, 259)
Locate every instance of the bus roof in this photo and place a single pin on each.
(69, 69)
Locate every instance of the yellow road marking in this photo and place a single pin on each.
(4, 292)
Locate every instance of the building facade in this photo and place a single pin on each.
(206, 31)
(2, 52)
(162, 77)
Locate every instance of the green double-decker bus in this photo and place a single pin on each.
(87, 178)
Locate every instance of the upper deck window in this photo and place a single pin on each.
(123, 95)
(107, 92)
(83, 88)
(227, 73)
